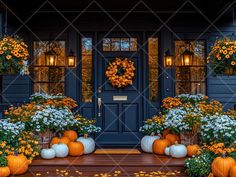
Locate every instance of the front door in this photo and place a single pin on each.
(121, 112)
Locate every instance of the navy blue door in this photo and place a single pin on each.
(121, 111)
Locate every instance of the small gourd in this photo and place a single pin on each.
(88, 142)
(172, 138)
(61, 150)
(159, 146)
(147, 142)
(76, 148)
(192, 149)
(4, 171)
(71, 134)
(60, 139)
(178, 150)
(48, 153)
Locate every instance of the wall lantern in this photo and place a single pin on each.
(187, 56)
(71, 59)
(51, 58)
(168, 59)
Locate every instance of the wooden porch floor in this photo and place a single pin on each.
(114, 165)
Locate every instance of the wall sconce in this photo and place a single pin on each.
(187, 56)
(168, 59)
(71, 59)
(51, 58)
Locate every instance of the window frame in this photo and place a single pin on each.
(43, 66)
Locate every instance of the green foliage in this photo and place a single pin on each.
(199, 166)
(3, 161)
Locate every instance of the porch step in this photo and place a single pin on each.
(114, 165)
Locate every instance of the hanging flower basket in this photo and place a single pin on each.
(13, 56)
(222, 57)
(189, 138)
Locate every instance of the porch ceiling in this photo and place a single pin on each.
(70, 8)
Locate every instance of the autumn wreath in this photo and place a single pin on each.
(121, 72)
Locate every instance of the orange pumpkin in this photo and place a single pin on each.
(57, 140)
(71, 134)
(76, 148)
(18, 164)
(192, 149)
(159, 146)
(221, 165)
(4, 171)
(173, 138)
(165, 132)
(232, 172)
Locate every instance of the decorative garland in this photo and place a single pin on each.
(121, 72)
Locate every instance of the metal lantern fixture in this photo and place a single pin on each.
(187, 56)
(51, 57)
(71, 59)
(168, 59)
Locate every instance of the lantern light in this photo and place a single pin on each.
(71, 59)
(168, 59)
(187, 56)
(51, 58)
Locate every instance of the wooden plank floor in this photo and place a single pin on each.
(114, 165)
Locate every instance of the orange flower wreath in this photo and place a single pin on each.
(121, 72)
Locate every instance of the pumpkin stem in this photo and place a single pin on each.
(59, 134)
(86, 135)
(15, 153)
(176, 143)
(152, 134)
(160, 136)
(224, 155)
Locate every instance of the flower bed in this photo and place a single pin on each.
(26, 129)
(200, 124)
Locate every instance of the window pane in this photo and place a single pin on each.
(106, 44)
(115, 44)
(49, 79)
(190, 79)
(153, 68)
(133, 44)
(87, 70)
(125, 44)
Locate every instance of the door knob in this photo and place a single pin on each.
(99, 106)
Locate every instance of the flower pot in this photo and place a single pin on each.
(188, 138)
(147, 142)
(229, 71)
(88, 142)
(45, 138)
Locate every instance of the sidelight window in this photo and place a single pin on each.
(86, 69)
(153, 68)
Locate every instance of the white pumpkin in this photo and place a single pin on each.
(167, 151)
(178, 150)
(61, 150)
(48, 153)
(146, 143)
(89, 144)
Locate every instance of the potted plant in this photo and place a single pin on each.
(51, 120)
(222, 57)
(85, 127)
(151, 129)
(13, 55)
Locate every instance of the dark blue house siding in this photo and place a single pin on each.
(15, 89)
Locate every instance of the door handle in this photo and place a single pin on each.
(99, 106)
